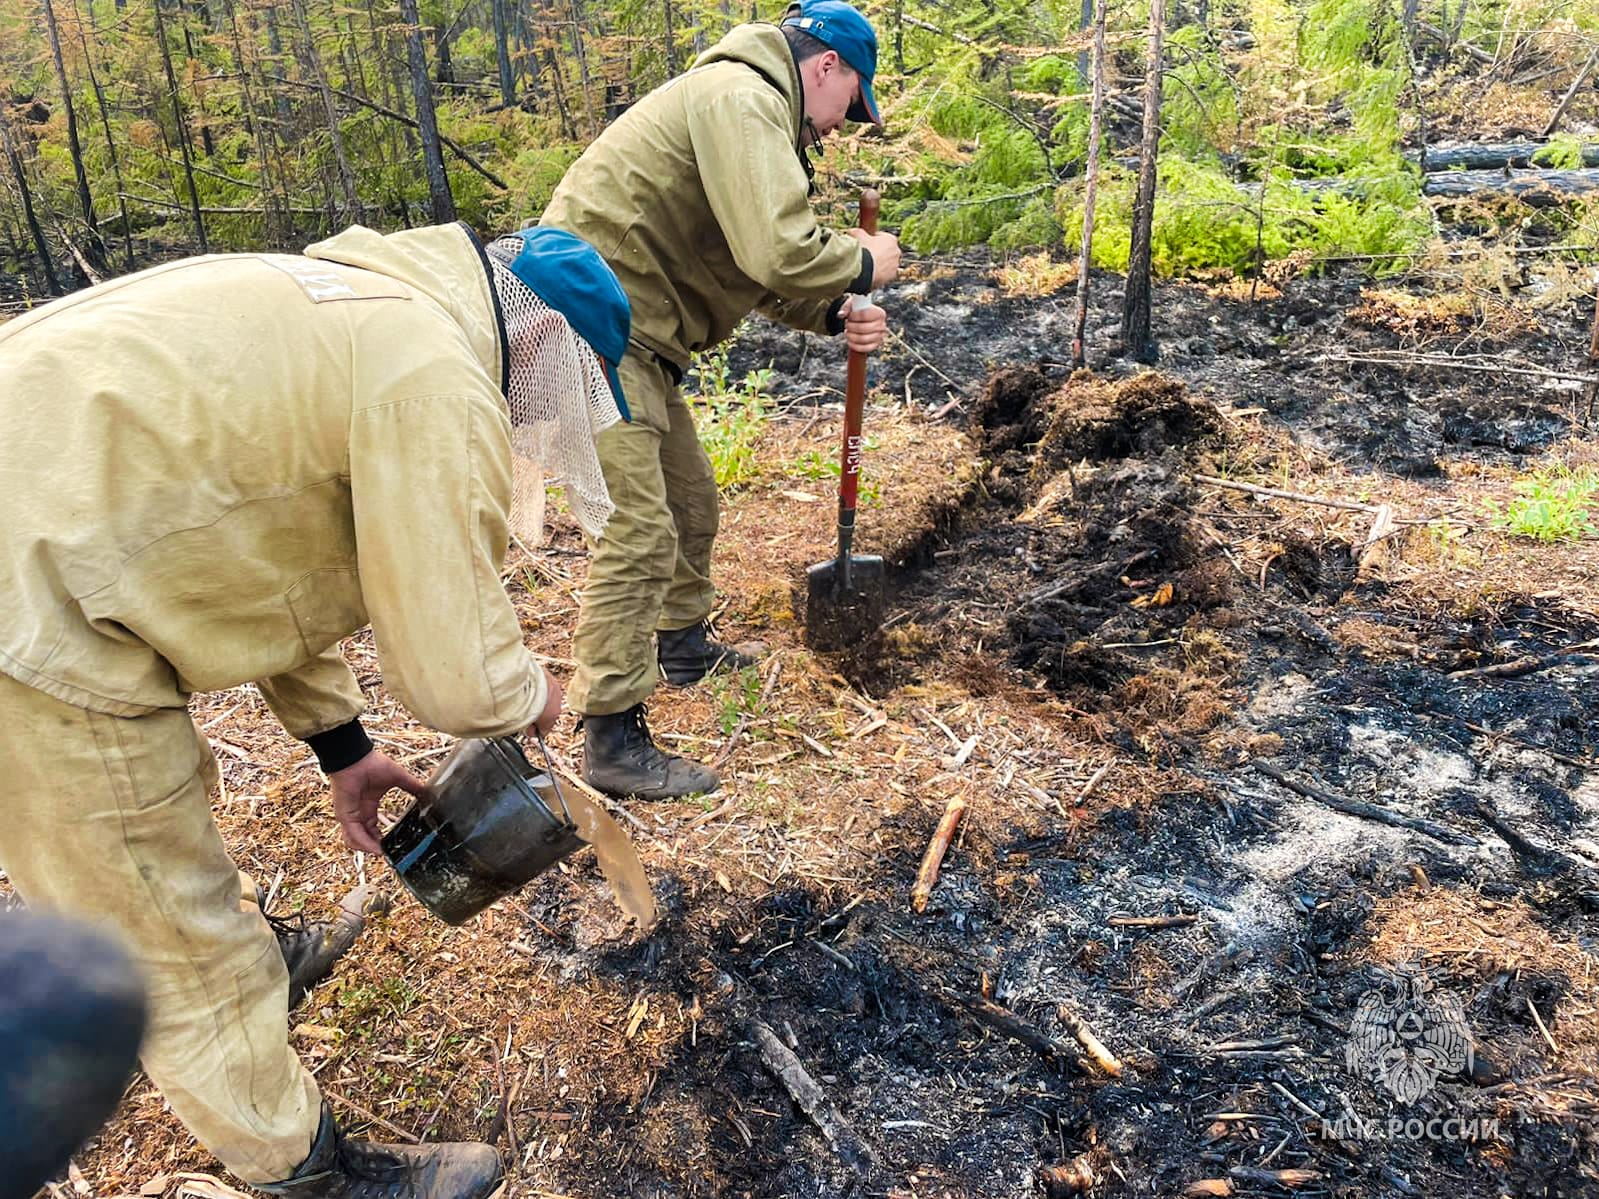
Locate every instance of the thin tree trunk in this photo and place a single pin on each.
(426, 118)
(95, 249)
(110, 139)
(568, 129)
(274, 223)
(182, 129)
(1565, 101)
(275, 45)
(352, 196)
(671, 39)
(1096, 114)
(207, 146)
(35, 230)
(441, 54)
(1085, 21)
(1136, 306)
(502, 52)
(582, 65)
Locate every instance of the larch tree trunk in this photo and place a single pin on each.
(319, 76)
(94, 250)
(502, 52)
(427, 119)
(581, 55)
(182, 130)
(1096, 116)
(275, 222)
(110, 139)
(41, 247)
(1136, 305)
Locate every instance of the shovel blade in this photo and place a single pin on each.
(837, 616)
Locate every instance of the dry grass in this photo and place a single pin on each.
(1476, 940)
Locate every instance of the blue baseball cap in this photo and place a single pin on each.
(569, 275)
(836, 24)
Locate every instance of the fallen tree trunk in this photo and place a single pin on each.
(1523, 185)
(1484, 156)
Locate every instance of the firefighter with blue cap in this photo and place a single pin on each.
(699, 198)
(212, 472)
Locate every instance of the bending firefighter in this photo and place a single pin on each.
(698, 196)
(212, 471)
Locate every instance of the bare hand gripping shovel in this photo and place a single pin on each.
(846, 599)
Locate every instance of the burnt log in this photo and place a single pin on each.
(1487, 156)
(1530, 186)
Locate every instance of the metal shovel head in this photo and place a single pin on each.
(839, 616)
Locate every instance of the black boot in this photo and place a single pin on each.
(310, 947)
(340, 1169)
(688, 655)
(620, 759)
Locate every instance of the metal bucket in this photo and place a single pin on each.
(487, 823)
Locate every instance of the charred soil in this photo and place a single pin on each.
(1233, 765)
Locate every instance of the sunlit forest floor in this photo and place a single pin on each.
(1126, 670)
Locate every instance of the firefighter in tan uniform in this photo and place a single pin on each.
(698, 197)
(212, 471)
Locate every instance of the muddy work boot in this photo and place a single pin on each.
(341, 1169)
(688, 655)
(310, 947)
(620, 759)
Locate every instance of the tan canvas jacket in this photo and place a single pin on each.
(697, 198)
(214, 470)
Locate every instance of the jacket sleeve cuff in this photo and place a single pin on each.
(340, 747)
(835, 317)
(863, 281)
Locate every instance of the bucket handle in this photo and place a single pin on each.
(555, 781)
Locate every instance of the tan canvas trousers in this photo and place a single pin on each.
(108, 819)
(652, 569)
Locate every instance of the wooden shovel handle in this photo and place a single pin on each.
(855, 398)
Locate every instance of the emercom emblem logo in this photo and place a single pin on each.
(1406, 1035)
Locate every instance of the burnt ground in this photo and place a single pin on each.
(1140, 682)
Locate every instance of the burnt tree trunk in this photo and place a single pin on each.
(670, 39)
(182, 129)
(41, 247)
(427, 119)
(583, 66)
(1096, 115)
(1136, 306)
(110, 139)
(502, 53)
(95, 249)
(319, 75)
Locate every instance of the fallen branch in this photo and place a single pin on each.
(1278, 493)
(1225, 956)
(1571, 92)
(1453, 362)
(1097, 1050)
(1514, 669)
(1382, 527)
(810, 1098)
(1003, 1020)
(1356, 807)
(1182, 920)
(927, 873)
(409, 1138)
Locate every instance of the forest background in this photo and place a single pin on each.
(138, 130)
